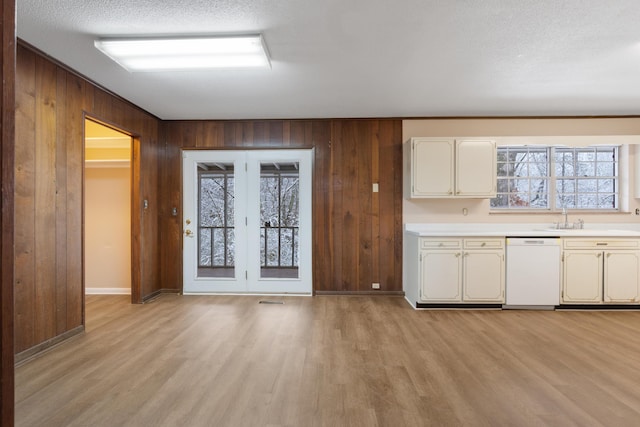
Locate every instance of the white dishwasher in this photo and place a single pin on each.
(533, 272)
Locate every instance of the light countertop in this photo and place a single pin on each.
(520, 230)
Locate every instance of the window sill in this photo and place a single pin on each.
(548, 212)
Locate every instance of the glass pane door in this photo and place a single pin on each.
(214, 227)
(216, 219)
(279, 220)
(247, 221)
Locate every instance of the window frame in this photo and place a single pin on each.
(552, 193)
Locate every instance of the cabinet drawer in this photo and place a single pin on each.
(440, 243)
(601, 244)
(483, 243)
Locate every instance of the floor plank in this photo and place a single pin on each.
(333, 361)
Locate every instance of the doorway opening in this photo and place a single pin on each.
(107, 210)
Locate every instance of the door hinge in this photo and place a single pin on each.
(246, 220)
(246, 167)
(246, 275)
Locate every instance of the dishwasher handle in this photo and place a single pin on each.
(522, 241)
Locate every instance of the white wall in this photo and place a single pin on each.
(442, 210)
(107, 230)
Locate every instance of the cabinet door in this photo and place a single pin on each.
(475, 168)
(582, 277)
(621, 276)
(432, 167)
(440, 275)
(483, 276)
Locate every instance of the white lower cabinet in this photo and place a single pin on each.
(621, 276)
(468, 270)
(462, 270)
(601, 271)
(582, 277)
(483, 276)
(441, 275)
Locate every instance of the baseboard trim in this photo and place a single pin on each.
(38, 350)
(458, 306)
(596, 307)
(157, 293)
(107, 291)
(362, 293)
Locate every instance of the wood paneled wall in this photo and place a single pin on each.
(357, 234)
(7, 157)
(364, 228)
(51, 104)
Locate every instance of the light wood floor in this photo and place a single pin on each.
(334, 361)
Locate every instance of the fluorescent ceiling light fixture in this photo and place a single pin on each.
(186, 53)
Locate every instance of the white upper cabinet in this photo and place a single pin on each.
(452, 167)
(432, 167)
(476, 168)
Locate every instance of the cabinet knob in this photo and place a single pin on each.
(599, 254)
(484, 244)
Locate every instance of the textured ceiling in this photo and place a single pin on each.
(365, 58)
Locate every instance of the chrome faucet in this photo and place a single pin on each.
(566, 225)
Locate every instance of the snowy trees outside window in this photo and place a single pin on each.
(523, 178)
(216, 239)
(553, 178)
(279, 219)
(279, 215)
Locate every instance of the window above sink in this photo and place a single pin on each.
(553, 178)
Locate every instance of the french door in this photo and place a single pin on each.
(247, 221)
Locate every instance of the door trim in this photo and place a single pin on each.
(136, 212)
